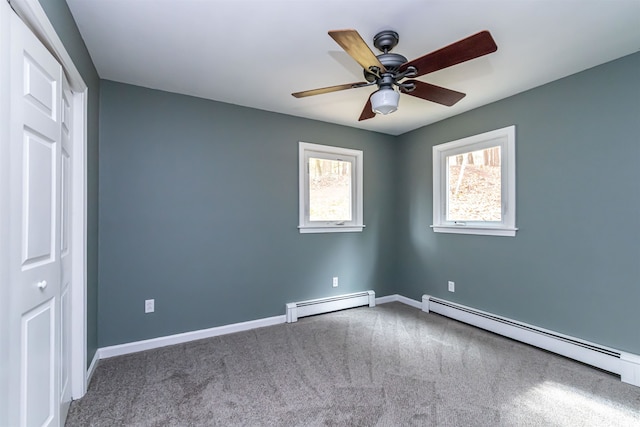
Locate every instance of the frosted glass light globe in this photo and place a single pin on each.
(385, 101)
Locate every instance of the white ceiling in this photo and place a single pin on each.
(256, 53)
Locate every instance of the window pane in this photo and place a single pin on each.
(329, 190)
(474, 186)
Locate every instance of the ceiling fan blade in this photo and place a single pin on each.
(463, 50)
(330, 89)
(435, 93)
(367, 112)
(353, 44)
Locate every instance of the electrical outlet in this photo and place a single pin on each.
(149, 305)
(452, 286)
(335, 282)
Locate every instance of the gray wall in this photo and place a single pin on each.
(574, 266)
(62, 20)
(199, 210)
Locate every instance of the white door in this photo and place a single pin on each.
(35, 270)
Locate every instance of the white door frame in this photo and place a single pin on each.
(5, 110)
(36, 19)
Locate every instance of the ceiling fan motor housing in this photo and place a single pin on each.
(385, 41)
(391, 61)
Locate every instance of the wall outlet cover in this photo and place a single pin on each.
(149, 305)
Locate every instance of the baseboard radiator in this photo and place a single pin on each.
(624, 364)
(295, 310)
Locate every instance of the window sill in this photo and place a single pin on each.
(331, 229)
(483, 231)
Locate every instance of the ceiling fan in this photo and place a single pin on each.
(390, 69)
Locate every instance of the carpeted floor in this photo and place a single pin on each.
(386, 366)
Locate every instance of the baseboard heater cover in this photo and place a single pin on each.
(295, 310)
(626, 365)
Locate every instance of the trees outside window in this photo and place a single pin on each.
(474, 184)
(330, 184)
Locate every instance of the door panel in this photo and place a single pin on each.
(65, 201)
(37, 406)
(40, 87)
(38, 199)
(35, 270)
(65, 350)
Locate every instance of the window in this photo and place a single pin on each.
(330, 189)
(474, 184)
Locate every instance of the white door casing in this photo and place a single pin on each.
(5, 14)
(34, 208)
(66, 194)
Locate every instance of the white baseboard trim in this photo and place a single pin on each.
(626, 365)
(399, 298)
(92, 367)
(386, 299)
(409, 301)
(134, 347)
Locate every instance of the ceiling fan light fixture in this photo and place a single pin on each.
(385, 101)
(387, 69)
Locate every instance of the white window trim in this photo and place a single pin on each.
(306, 226)
(506, 139)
